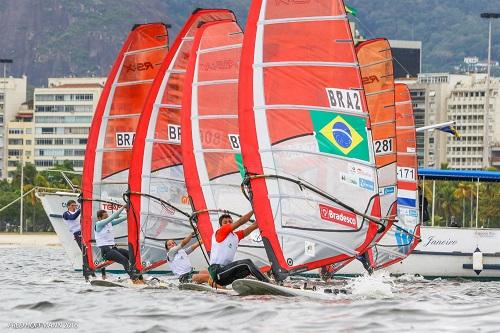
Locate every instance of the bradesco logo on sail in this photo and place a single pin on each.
(339, 216)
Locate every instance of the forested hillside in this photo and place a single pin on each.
(81, 37)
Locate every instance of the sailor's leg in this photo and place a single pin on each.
(115, 255)
(78, 239)
(201, 277)
(238, 270)
(123, 252)
(255, 271)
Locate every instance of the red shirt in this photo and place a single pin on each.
(225, 230)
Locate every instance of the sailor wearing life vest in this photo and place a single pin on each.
(105, 240)
(72, 219)
(223, 269)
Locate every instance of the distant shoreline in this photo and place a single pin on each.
(34, 239)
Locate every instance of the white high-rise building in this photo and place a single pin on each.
(63, 114)
(12, 95)
(20, 140)
(442, 97)
(466, 106)
(430, 93)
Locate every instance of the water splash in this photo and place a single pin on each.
(377, 285)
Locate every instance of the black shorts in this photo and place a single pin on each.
(186, 278)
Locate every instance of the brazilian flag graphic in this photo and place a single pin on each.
(341, 135)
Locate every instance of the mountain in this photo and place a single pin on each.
(49, 38)
(450, 30)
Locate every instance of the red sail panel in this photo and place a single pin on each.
(375, 60)
(303, 118)
(404, 236)
(210, 133)
(157, 169)
(109, 147)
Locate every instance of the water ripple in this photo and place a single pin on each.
(45, 289)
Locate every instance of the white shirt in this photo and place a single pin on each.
(223, 253)
(179, 260)
(71, 221)
(105, 237)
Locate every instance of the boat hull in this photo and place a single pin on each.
(447, 252)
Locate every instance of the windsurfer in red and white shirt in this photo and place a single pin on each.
(223, 269)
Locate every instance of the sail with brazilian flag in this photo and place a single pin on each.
(305, 136)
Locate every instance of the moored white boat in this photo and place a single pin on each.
(447, 252)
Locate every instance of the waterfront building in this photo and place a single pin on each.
(12, 95)
(62, 116)
(466, 106)
(407, 55)
(442, 97)
(20, 139)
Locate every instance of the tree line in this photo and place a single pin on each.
(35, 219)
(454, 205)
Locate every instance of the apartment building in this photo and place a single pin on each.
(442, 97)
(12, 95)
(466, 106)
(430, 93)
(62, 116)
(20, 139)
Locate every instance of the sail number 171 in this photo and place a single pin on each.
(406, 173)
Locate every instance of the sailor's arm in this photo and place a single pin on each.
(242, 220)
(194, 246)
(186, 240)
(249, 230)
(113, 219)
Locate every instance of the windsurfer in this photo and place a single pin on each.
(72, 219)
(105, 240)
(223, 269)
(177, 256)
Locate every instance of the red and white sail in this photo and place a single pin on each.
(305, 135)
(210, 133)
(375, 60)
(403, 237)
(159, 204)
(109, 148)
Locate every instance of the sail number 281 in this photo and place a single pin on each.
(383, 146)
